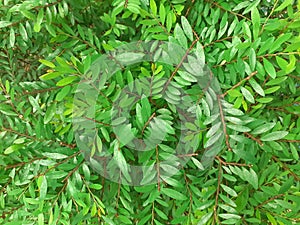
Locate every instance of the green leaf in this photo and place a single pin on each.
(239, 128)
(279, 41)
(11, 149)
(234, 112)
(253, 179)
(54, 155)
(180, 36)
(274, 136)
(187, 28)
(197, 163)
(283, 5)
(34, 103)
(63, 93)
(213, 139)
(66, 81)
(256, 87)
(286, 186)
(263, 128)
(120, 160)
(161, 214)
(169, 22)
(43, 188)
(204, 219)
(255, 17)
(229, 190)
(247, 94)
(269, 68)
(162, 13)
(173, 194)
(252, 59)
(23, 32)
(47, 63)
(153, 7)
(50, 75)
(12, 37)
(5, 24)
(51, 111)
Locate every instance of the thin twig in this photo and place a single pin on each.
(285, 167)
(224, 123)
(231, 163)
(253, 138)
(147, 123)
(179, 65)
(157, 168)
(240, 83)
(216, 220)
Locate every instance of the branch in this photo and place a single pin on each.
(231, 163)
(217, 195)
(285, 167)
(180, 64)
(253, 138)
(224, 123)
(240, 83)
(157, 168)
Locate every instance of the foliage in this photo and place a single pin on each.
(252, 49)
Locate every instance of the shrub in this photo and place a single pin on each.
(231, 137)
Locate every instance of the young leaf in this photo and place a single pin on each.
(47, 63)
(153, 7)
(66, 81)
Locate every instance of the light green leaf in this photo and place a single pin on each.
(197, 163)
(63, 93)
(255, 17)
(43, 188)
(256, 87)
(283, 5)
(54, 155)
(12, 37)
(153, 7)
(252, 59)
(269, 68)
(162, 13)
(66, 81)
(173, 194)
(229, 190)
(4, 24)
(50, 113)
(187, 28)
(247, 94)
(276, 135)
(47, 63)
(263, 128)
(239, 128)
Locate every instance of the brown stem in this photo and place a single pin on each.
(285, 167)
(224, 123)
(179, 65)
(157, 168)
(147, 123)
(253, 138)
(231, 163)
(240, 83)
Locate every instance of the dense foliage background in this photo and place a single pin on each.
(251, 47)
